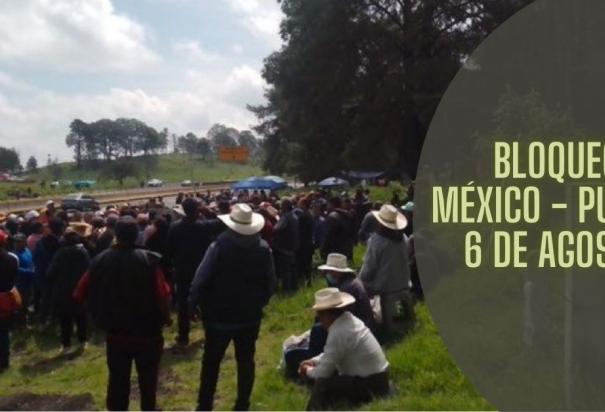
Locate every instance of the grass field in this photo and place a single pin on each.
(423, 373)
(170, 169)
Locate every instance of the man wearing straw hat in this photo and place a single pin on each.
(232, 285)
(386, 262)
(352, 368)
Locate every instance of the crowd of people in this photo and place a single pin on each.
(218, 257)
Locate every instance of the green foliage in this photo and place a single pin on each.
(112, 139)
(9, 160)
(32, 164)
(357, 82)
(423, 373)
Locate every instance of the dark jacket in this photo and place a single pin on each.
(9, 265)
(69, 264)
(235, 281)
(286, 234)
(340, 234)
(105, 240)
(362, 308)
(122, 292)
(186, 245)
(44, 253)
(305, 229)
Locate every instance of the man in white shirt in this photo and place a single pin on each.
(353, 368)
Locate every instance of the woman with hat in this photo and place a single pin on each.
(386, 262)
(352, 368)
(67, 267)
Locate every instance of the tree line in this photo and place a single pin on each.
(123, 139)
(110, 140)
(356, 82)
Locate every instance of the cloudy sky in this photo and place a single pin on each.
(181, 64)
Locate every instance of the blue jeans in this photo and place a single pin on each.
(295, 356)
(4, 347)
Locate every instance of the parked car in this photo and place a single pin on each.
(84, 184)
(80, 201)
(155, 183)
(55, 184)
(186, 183)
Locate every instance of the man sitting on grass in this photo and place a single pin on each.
(352, 368)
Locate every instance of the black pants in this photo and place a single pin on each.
(183, 284)
(146, 352)
(67, 321)
(285, 270)
(304, 261)
(217, 341)
(352, 391)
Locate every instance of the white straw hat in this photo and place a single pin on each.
(391, 218)
(243, 221)
(336, 263)
(332, 298)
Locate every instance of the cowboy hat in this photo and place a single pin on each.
(243, 221)
(332, 298)
(273, 212)
(81, 228)
(391, 218)
(336, 263)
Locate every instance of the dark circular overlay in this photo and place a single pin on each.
(530, 335)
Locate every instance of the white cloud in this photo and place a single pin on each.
(45, 116)
(237, 48)
(261, 17)
(193, 51)
(71, 35)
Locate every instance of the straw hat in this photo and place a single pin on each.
(243, 221)
(390, 217)
(336, 263)
(273, 212)
(81, 228)
(332, 298)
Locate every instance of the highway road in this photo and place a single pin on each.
(112, 197)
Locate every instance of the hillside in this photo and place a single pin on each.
(168, 168)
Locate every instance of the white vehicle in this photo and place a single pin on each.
(186, 183)
(155, 183)
(55, 184)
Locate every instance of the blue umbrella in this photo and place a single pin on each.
(333, 182)
(279, 180)
(257, 183)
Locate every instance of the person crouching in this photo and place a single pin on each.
(353, 368)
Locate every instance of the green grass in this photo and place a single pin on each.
(423, 373)
(170, 169)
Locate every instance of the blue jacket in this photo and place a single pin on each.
(26, 263)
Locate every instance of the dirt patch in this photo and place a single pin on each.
(32, 402)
